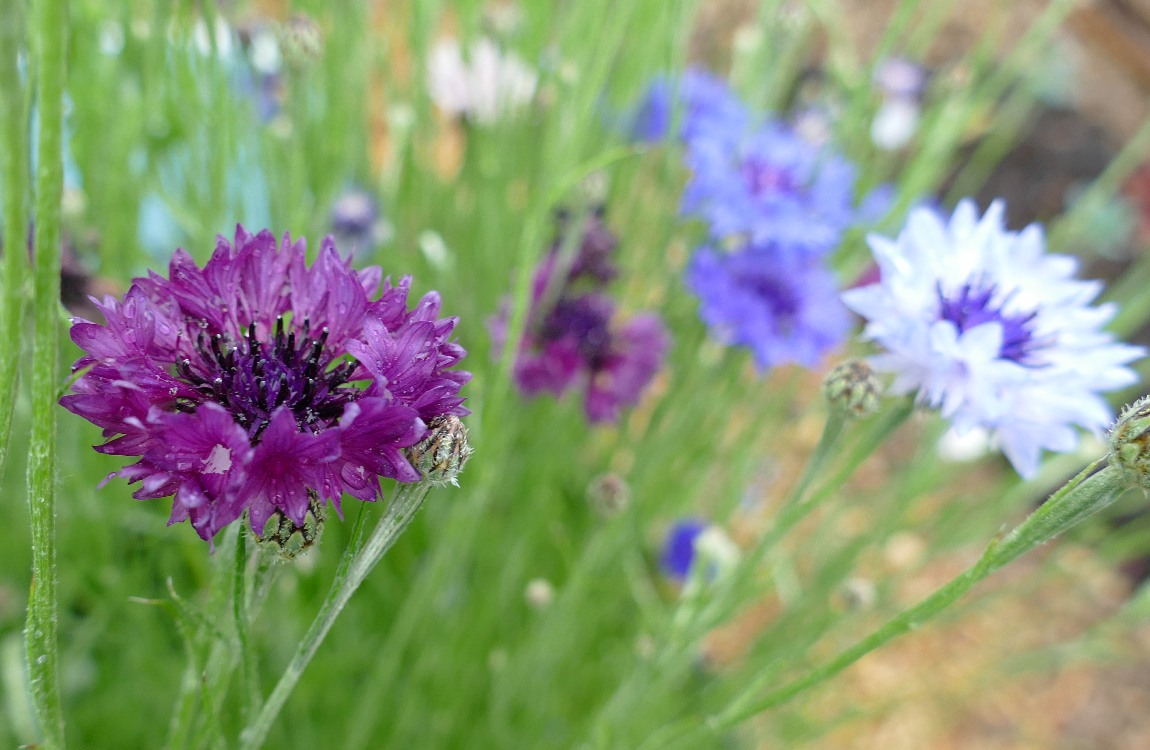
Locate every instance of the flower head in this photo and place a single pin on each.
(356, 223)
(258, 381)
(482, 88)
(784, 308)
(772, 187)
(994, 332)
(573, 338)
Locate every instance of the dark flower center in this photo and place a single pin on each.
(975, 304)
(763, 178)
(585, 322)
(779, 297)
(252, 378)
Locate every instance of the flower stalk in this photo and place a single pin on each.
(358, 560)
(50, 23)
(1085, 494)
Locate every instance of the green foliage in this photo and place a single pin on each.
(440, 648)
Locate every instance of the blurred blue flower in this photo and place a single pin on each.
(356, 223)
(679, 547)
(771, 187)
(708, 108)
(992, 331)
(783, 307)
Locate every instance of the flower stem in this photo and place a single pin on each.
(14, 165)
(50, 24)
(358, 561)
(1079, 498)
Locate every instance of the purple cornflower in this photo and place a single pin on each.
(572, 339)
(258, 383)
(771, 187)
(707, 106)
(781, 306)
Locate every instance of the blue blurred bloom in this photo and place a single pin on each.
(771, 187)
(679, 548)
(783, 307)
(992, 331)
(708, 108)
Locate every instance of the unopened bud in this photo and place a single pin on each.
(852, 388)
(289, 540)
(441, 455)
(539, 593)
(609, 495)
(1130, 443)
(302, 41)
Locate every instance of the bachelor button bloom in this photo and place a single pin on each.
(771, 187)
(356, 224)
(257, 383)
(901, 83)
(690, 538)
(707, 106)
(572, 338)
(482, 88)
(783, 307)
(988, 328)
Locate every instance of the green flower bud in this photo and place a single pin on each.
(609, 495)
(852, 388)
(441, 455)
(288, 540)
(301, 40)
(1130, 443)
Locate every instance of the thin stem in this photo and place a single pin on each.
(242, 622)
(14, 164)
(1077, 499)
(356, 564)
(50, 25)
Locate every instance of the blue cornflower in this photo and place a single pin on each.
(771, 187)
(783, 307)
(679, 548)
(985, 326)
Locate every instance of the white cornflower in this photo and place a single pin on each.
(992, 331)
(482, 88)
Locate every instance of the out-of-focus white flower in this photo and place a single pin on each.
(901, 83)
(486, 86)
(895, 123)
(992, 331)
(961, 447)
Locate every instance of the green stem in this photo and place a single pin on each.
(1077, 499)
(356, 564)
(51, 20)
(14, 164)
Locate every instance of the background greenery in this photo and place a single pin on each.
(164, 147)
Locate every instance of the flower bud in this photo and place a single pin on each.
(288, 540)
(852, 389)
(1130, 443)
(441, 455)
(609, 495)
(302, 41)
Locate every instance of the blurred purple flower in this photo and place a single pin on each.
(257, 382)
(781, 306)
(571, 338)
